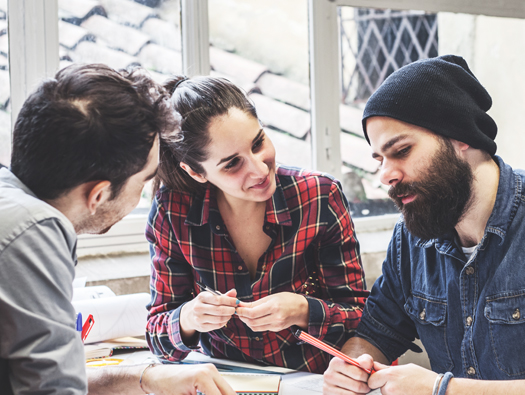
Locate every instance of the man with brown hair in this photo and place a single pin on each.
(453, 272)
(84, 145)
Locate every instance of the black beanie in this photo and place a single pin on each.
(439, 94)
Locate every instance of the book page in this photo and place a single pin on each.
(247, 383)
(118, 316)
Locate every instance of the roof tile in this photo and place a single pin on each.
(350, 118)
(70, 35)
(356, 152)
(248, 87)
(160, 59)
(299, 156)
(128, 12)
(5, 138)
(163, 33)
(281, 116)
(4, 91)
(244, 70)
(4, 44)
(285, 90)
(89, 52)
(116, 36)
(4, 64)
(75, 11)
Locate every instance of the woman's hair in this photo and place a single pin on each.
(199, 101)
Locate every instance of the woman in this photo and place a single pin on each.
(278, 243)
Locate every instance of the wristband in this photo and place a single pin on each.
(142, 375)
(436, 384)
(444, 383)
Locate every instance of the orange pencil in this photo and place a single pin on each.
(329, 349)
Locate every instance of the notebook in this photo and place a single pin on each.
(253, 384)
(107, 348)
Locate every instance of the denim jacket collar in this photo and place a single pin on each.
(507, 201)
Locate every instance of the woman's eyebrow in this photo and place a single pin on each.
(228, 158)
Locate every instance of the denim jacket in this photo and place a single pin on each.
(469, 315)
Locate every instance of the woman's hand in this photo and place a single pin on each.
(207, 312)
(275, 312)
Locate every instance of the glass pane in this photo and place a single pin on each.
(122, 34)
(374, 43)
(5, 91)
(262, 45)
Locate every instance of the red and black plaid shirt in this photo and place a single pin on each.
(313, 252)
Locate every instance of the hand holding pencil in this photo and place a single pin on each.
(208, 311)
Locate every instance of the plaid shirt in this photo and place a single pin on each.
(313, 252)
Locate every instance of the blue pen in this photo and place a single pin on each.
(79, 322)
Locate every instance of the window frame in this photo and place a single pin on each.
(33, 55)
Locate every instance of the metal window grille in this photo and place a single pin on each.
(375, 43)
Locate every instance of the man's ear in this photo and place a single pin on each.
(196, 176)
(98, 193)
(459, 145)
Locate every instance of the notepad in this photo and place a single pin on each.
(253, 384)
(107, 348)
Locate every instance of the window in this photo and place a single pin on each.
(262, 46)
(5, 93)
(491, 44)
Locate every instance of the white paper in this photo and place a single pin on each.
(96, 292)
(118, 316)
(79, 282)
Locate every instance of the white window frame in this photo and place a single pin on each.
(33, 55)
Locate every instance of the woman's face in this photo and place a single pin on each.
(241, 158)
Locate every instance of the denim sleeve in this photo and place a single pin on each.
(385, 323)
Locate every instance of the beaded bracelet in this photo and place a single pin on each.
(142, 374)
(444, 383)
(436, 383)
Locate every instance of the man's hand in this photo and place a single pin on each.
(404, 379)
(341, 378)
(185, 380)
(207, 312)
(275, 312)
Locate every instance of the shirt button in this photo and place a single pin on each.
(257, 339)
(267, 227)
(218, 227)
(471, 371)
(516, 315)
(470, 270)
(423, 315)
(469, 321)
(239, 267)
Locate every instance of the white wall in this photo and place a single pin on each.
(494, 49)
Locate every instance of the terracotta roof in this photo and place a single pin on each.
(123, 33)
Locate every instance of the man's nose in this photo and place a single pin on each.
(390, 174)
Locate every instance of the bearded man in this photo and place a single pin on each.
(452, 276)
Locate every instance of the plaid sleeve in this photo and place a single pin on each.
(337, 313)
(170, 286)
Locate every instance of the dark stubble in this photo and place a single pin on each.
(443, 195)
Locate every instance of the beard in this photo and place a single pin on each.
(443, 195)
(107, 215)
